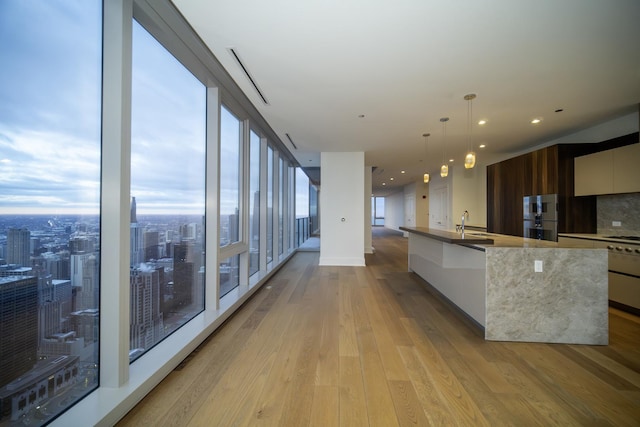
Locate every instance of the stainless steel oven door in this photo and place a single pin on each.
(541, 230)
(543, 206)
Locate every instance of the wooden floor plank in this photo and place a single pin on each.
(375, 345)
(394, 368)
(353, 403)
(595, 398)
(435, 407)
(325, 411)
(447, 384)
(348, 341)
(549, 407)
(379, 402)
(408, 408)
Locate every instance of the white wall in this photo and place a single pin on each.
(394, 211)
(341, 208)
(470, 194)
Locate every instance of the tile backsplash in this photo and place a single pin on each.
(622, 208)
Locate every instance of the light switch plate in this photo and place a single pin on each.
(616, 223)
(537, 266)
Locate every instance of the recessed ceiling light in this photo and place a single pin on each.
(536, 120)
(482, 145)
(450, 160)
(402, 171)
(361, 116)
(384, 183)
(482, 122)
(391, 179)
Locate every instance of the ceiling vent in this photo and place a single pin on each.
(246, 72)
(291, 141)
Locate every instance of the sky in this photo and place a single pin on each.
(49, 106)
(50, 89)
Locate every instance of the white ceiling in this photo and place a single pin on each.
(404, 64)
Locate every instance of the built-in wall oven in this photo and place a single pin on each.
(541, 217)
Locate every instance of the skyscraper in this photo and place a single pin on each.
(146, 323)
(19, 246)
(19, 320)
(84, 272)
(183, 275)
(151, 241)
(136, 238)
(134, 216)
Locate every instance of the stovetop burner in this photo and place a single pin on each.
(635, 238)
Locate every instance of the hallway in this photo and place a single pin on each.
(373, 346)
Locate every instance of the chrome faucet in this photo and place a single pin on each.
(464, 214)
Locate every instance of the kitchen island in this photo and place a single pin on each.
(517, 289)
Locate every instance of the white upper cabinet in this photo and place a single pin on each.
(608, 172)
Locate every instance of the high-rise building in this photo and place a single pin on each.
(151, 242)
(19, 320)
(57, 265)
(183, 275)
(146, 323)
(54, 307)
(189, 231)
(82, 245)
(136, 237)
(134, 216)
(19, 246)
(84, 272)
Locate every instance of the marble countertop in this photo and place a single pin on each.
(480, 239)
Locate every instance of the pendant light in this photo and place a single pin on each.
(444, 169)
(425, 177)
(470, 158)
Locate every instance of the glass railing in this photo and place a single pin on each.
(302, 230)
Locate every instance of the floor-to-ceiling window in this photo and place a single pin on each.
(302, 206)
(270, 195)
(168, 137)
(377, 210)
(314, 211)
(291, 205)
(162, 116)
(281, 204)
(50, 154)
(254, 203)
(230, 196)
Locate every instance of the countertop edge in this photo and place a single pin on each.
(597, 238)
(447, 236)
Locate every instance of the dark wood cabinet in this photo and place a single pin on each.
(545, 171)
(549, 170)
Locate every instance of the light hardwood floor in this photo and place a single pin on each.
(372, 346)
